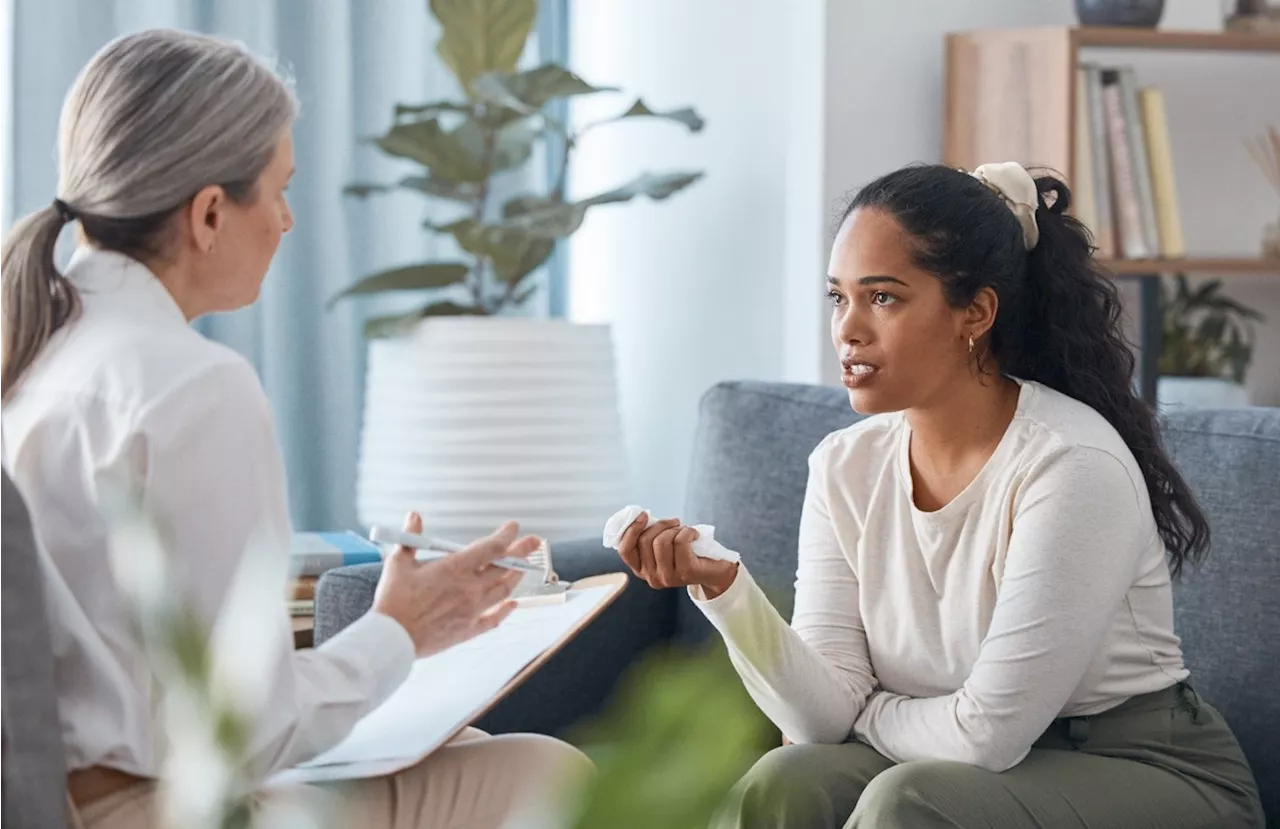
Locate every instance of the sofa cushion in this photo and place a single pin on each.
(1228, 611)
(748, 474)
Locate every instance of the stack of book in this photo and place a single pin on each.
(315, 553)
(302, 596)
(1124, 184)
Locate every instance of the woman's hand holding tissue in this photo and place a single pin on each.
(662, 554)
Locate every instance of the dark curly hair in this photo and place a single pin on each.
(1059, 319)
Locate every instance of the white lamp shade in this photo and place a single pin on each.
(472, 421)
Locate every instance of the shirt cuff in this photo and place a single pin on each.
(383, 645)
(728, 602)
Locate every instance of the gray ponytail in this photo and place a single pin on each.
(152, 119)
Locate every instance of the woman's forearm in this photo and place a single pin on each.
(811, 695)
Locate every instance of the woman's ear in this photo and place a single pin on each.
(981, 313)
(205, 216)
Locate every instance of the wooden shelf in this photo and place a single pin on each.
(1191, 41)
(1010, 93)
(1219, 266)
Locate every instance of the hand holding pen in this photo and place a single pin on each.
(430, 549)
(454, 596)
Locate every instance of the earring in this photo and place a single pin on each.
(970, 343)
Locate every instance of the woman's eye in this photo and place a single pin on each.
(883, 298)
(834, 298)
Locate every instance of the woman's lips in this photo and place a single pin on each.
(857, 375)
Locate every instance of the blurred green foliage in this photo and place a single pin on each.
(672, 743)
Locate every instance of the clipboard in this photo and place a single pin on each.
(616, 581)
(610, 586)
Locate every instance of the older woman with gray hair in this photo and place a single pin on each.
(174, 153)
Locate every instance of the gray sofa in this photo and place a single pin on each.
(748, 477)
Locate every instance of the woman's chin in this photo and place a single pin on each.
(870, 402)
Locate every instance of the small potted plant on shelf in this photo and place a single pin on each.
(473, 416)
(1207, 347)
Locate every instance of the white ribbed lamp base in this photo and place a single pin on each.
(472, 421)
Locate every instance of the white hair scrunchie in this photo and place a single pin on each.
(1016, 186)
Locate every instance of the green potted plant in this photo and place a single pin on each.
(473, 415)
(462, 145)
(1206, 348)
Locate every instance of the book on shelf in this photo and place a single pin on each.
(1124, 182)
(1163, 192)
(1082, 189)
(317, 552)
(303, 588)
(1138, 155)
(302, 607)
(1096, 129)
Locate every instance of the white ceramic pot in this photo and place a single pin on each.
(1173, 393)
(472, 421)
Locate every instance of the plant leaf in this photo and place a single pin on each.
(410, 278)
(430, 110)
(430, 185)
(478, 36)
(531, 90)
(442, 187)
(1222, 303)
(365, 189)
(679, 736)
(1211, 328)
(513, 141)
(1204, 293)
(446, 153)
(687, 115)
(491, 87)
(524, 204)
(397, 324)
(555, 220)
(540, 85)
(514, 251)
(654, 185)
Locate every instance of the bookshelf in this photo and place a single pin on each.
(1219, 266)
(1010, 94)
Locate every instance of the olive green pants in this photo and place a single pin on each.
(1164, 760)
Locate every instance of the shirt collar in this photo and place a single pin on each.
(109, 276)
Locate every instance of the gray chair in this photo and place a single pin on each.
(748, 478)
(35, 776)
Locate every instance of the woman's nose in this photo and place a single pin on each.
(852, 325)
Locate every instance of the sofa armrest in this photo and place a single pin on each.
(577, 680)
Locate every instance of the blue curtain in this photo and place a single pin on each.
(351, 61)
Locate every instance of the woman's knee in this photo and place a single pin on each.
(547, 757)
(792, 786)
(915, 794)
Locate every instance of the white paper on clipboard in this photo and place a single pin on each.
(447, 691)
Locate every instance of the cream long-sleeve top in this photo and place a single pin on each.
(1040, 591)
(130, 385)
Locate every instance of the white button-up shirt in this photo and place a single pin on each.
(129, 384)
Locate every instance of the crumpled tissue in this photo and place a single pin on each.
(705, 546)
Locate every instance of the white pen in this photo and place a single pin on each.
(386, 535)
